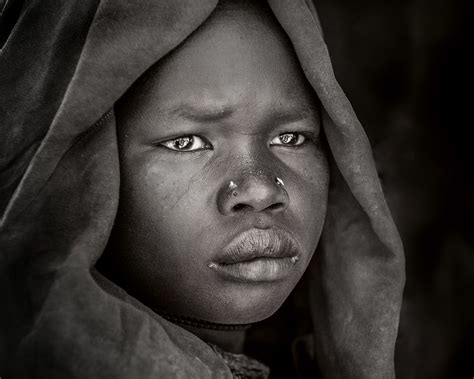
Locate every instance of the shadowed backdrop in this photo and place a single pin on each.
(407, 69)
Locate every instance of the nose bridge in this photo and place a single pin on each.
(254, 160)
(255, 168)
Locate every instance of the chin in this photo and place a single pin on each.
(249, 305)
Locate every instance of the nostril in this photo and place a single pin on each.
(276, 207)
(239, 207)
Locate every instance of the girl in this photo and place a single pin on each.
(168, 184)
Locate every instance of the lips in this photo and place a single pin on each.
(258, 243)
(258, 255)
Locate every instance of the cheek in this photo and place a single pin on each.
(310, 198)
(162, 204)
(156, 187)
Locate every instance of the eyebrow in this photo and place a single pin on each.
(202, 115)
(213, 114)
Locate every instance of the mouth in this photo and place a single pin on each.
(258, 255)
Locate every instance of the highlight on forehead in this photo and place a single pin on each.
(247, 15)
(228, 11)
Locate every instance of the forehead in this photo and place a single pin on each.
(239, 57)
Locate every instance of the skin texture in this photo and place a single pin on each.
(237, 85)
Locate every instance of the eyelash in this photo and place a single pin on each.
(306, 137)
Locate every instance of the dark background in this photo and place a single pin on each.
(407, 69)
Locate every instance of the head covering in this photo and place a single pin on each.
(63, 65)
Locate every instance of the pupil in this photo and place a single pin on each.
(287, 138)
(183, 142)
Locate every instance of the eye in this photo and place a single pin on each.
(289, 139)
(186, 143)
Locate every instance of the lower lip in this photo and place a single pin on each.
(257, 270)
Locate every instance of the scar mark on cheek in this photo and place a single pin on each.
(186, 190)
(160, 188)
(180, 197)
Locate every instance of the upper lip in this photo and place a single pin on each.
(258, 243)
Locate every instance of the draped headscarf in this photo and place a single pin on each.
(63, 65)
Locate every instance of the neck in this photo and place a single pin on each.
(229, 337)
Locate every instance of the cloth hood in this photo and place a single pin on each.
(62, 68)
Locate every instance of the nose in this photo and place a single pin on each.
(254, 192)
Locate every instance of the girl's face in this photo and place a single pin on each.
(224, 181)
